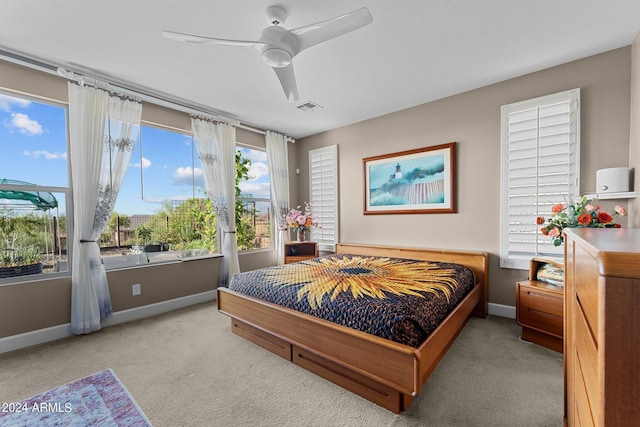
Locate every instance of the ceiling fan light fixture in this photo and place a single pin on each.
(276, 57)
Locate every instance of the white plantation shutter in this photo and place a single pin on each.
(540, 168)
(323, 196)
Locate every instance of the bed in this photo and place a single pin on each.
(382, 370)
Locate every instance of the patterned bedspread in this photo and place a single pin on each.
(397, 299)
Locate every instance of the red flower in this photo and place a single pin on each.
(604, 217)
(544, 231)
(557, 208)
(618, 226)
(584, 219)
(540, 220)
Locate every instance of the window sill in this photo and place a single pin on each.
(153, 258)
(254, 251)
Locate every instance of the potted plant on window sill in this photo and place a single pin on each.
(20, 261)
(143, 238)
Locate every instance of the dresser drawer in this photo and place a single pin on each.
(586, 359)
(541, 310)
(582, 408)
(586, 289)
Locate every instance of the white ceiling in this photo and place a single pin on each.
(415, 51)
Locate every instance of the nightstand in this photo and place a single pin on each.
(540, 309)
(299, 251)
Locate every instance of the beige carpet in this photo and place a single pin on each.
(185, 368)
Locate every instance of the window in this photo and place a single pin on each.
(540, 167)
(323, 196)
(163, 212)
(34, 188)
(255, 227)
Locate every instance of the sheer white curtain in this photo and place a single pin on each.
(103, 133)
(278, 160)
(217, 153)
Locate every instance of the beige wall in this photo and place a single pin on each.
(40, 304)
(634, 137)
(473, 120)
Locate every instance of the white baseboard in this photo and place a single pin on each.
(502, 310)
(41, 336)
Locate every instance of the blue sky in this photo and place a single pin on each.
(163, 166)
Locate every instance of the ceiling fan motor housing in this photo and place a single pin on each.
(277, 58)
(281, 46)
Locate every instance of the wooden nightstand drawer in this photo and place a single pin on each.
(540, 310)
(544, 302)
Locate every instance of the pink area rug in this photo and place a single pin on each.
(97, 400)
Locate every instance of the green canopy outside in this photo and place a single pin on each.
(40, 199)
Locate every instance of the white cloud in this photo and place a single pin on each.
(7, 102)
(46, 154)
(257, 170)
(255, 189)
(186, 175)
(255, 155)
(145, 163)
(25, 125)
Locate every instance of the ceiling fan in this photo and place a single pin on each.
(278, 45)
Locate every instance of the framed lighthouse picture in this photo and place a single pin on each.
(415, 181)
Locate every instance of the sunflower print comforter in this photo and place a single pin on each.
(398, 299)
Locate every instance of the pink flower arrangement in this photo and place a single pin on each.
(579, 214)
(299, 220)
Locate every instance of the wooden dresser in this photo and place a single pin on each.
(602, 327)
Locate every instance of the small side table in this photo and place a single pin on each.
(539, 310)
(299, 251)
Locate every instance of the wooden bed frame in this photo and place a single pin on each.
(385, 372)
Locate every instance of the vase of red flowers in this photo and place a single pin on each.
(582, 213)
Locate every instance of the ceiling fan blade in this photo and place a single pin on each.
(190, 38)
(288, 81)
(319, 32)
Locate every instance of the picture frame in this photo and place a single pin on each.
(411, 182)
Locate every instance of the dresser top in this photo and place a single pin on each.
(616, 249)
(609, 239)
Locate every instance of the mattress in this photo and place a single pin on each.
(398, 299)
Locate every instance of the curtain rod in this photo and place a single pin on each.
(159, 101)
(154, 99)
(102, 84)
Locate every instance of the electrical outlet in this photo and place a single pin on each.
(135, 289)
